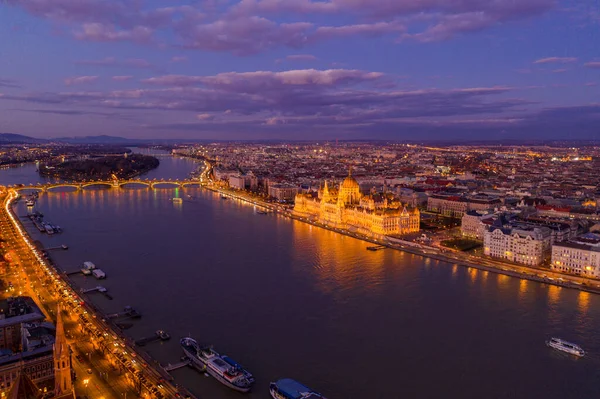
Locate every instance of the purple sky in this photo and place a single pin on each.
(301, 69)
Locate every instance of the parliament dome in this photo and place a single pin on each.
(350, 183)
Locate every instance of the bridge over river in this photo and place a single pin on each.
(152, 184)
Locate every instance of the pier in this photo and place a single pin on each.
(63, 247)
(99, 289)
(127, 313)
(159, 335)
(376, 247)
(170, 367)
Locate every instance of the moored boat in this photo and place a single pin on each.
(565, 346)
(286, 388)
(223, 368)
(87, 268)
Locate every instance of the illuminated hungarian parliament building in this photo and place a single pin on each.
(375, 215)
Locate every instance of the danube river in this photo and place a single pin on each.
(287, 299)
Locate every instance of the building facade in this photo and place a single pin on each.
(376, 215)
(576, 258)
(452, 206)
(528, 246)
(457, 206)
(473, 225)
(283, 192)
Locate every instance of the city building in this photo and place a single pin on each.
(283, 192)
(456, 206)
(447, 205)
(43, 358)
(526, 245)
(243, 182)
(580, 256)
(376, 215)
(474, 225)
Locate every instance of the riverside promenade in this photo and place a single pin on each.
(115, 367)
(538, 274)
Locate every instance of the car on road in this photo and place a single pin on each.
(89, 371)
(78, 357)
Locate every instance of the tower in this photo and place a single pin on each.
(23, 388)
(63, 386)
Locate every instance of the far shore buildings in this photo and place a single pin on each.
(377, 215)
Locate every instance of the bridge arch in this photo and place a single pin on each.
(164, 184)
(132, 182)
(190, 183)
(97, 183)
(51, 187)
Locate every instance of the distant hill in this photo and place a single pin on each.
(11, 138)
(97, 140)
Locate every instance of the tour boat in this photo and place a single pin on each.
(564, 346)
(177, 200)
(221, 367)
(162, 335)
(287, 388)
(30, 201)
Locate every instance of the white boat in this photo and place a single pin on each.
(87, 268)
(99, 274)
(177, 200)
(565, 346)
(221, 367)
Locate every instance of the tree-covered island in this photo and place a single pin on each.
(105, 168)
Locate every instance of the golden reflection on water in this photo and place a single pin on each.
(472, 274)
(553, 294)
(340, 262)
(522, 289)
(583, 301)
(503, 280)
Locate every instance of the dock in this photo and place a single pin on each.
(159, 335)
(63, 247)
(376, 247)
(127, 313)
(170, 367)
(99, 289)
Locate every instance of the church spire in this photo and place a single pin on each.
(63, 384)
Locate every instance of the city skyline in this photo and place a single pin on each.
(301, 69)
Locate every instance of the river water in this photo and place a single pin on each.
(287, 299)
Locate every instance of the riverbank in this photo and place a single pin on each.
(107, 339)
(538, 274)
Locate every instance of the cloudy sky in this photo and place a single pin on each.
(301, 69)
